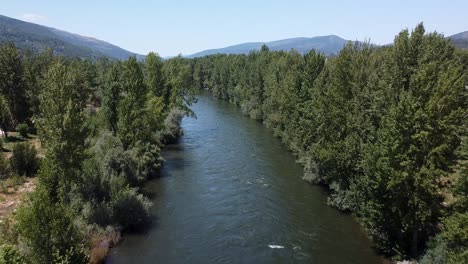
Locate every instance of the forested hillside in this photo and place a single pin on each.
(102, 126)
(385, 128)
(460, 40)
(37, 38)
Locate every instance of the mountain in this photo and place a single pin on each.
(35, 37)
(329, 45)
(460, 39)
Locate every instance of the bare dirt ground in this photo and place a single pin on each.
(10, 200)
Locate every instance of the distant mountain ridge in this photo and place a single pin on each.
(35, 37)
(460, 40)
(329, 45)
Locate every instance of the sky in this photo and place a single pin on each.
(185, 27)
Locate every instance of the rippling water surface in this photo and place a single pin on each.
(230, 192)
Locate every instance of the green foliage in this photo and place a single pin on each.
(154, 76)
(179, 92)
(451, 245)
(9, 254)
(155, 111)
(6, 120)
(147, 158)
(12, 84)
(172, 130)
(36, 67)
(380, 126)
(108, 177)
(61, 127)
(48, 230)
(24, 160)
(113, 89)
(4, 167)
(132, 125)
(101, 125)
(416, 145)
(130, 210)
(22, 130)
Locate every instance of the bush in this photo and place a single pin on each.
(23, 130)
(148, 160)
(4, 167)
(1, 143)
(47, 228)
(172, 130)
(131, 210)
(24, 160)
(451, 245)
(106, 192)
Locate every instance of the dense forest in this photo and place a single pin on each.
(385, 128)
(101, 125)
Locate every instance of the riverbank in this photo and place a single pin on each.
(100, 240)
(367, 126)
(228, 191)
(103, 242)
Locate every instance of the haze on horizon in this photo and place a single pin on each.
(186, 27)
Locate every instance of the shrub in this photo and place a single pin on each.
(108, 197)
(1, 143)
(24, 160)
(101, 239)
(450, 246)
(47, 228)
(148, 160)
(4, 167)
(23, 130)
(131, 210)
(172, 130)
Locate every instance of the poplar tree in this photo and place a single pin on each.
(416, 145)
(61, 129)
(12, 84)
(154, 75)
(132, 124)
(113, 88)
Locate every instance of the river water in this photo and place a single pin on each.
(230, 192)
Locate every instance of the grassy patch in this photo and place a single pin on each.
(11, 184)
(15, 138)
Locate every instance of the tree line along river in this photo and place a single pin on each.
(230, 192)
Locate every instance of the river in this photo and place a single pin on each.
(230, 192)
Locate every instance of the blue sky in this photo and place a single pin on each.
(182, 26)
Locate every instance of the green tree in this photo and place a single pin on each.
(416, 146)
(154, 75)
(112, 95)
(12, 84)
(36, 67)
(179, 84)
(6, 120)
(48, 229)
(61, 126)
(132, 123)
